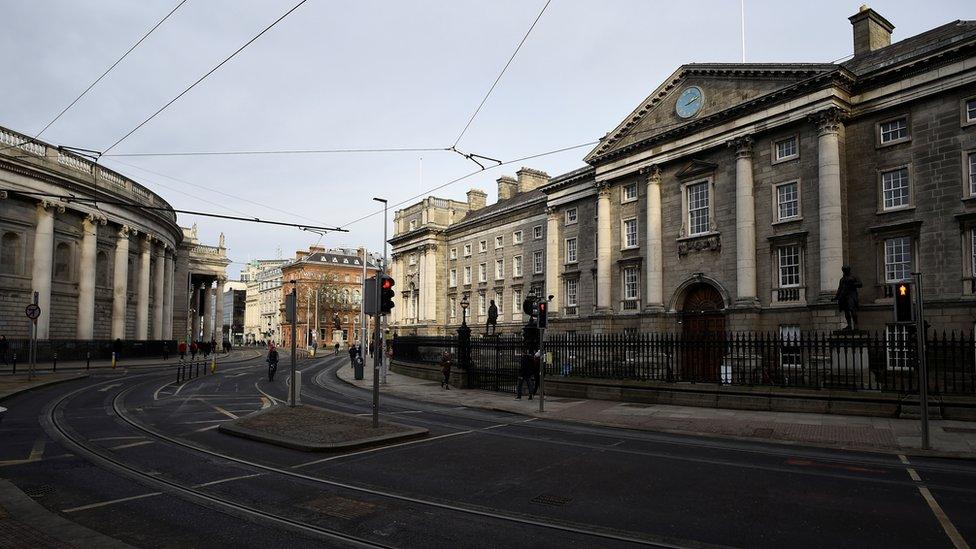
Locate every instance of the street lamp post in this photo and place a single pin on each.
(464, 339)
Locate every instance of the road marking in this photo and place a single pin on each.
(202, 429)
(110, 502)
(225, 412)
(408, 412)
(202, 421)
(306, 464)
(903, 458)
(38, 450)
(107, 387)
(273, 399)
(265, 403)
(131, 445)
(113, 438)
(950, 529)
(221, 481)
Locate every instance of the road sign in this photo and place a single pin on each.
(33, 311)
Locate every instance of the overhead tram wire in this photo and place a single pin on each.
(202, 78)
(71, 198)
(502, 73)
(280, 151)
(99, 79)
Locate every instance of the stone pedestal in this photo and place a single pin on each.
(338, 336)
(849, 360)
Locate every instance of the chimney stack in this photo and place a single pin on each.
(871, 31)
(507, 187)
(529, 179)
(477, 199)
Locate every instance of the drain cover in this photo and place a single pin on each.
(40, 491)
(552, 499)
(340, 507)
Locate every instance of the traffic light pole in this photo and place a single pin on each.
(923, 376)
(377, 354)
(294, 340)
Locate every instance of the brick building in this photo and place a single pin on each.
(731, 197)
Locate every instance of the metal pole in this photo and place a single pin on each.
(923, 377)
(364, 330)
(33, 342)
(294, 338)
(378, 357)
(542, 369)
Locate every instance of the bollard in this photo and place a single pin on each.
(55, 361)
(88, 360)
(196, 369)
(15, 363)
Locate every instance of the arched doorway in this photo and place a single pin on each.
(702, 333)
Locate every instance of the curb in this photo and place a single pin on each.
(409, 432)
(41, 385)
(25, 510)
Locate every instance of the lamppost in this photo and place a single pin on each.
(464, 339)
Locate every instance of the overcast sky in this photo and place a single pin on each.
(373, 74)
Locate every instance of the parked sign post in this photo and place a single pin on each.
(33, 312)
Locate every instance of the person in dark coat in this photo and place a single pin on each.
(117, 349)
(446, 363)
(3, 348)
(526, 375)
(353, 354)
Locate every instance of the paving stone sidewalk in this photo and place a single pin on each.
(890, 435)
(173, 359)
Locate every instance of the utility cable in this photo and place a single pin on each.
(280, 151)
(202, 78)
(505, 68)
(99, 79)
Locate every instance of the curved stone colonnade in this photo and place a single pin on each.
(102, 267)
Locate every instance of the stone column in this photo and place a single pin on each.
(208, 319)
(655, 242)
(603, 302)
(159, 291)
(829, 123)
(196, 312)
(553, 287)
(219, 312)
(44, 263)
(120, 281)
(86, 276)
(168, 285)
(142, 296)
(745, 223)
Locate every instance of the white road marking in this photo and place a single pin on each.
(110, 502)
(161, 387)
(203, 421)
(107, 387)
(265, 403)
(131, 445)
(306, 464)
(225, 412)
(38, 450)
(950, 529)
(221, 481)
(113, 438)
(202, 429)
(273, 399)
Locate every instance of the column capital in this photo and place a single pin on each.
(652, 173)
(3, 195)
(125, 231)
(50, 204)
(742, 146)
(95, 219)
(148, 238)
(552, 211)
(603, 189)
(828, 120)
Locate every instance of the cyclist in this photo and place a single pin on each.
(272, 363)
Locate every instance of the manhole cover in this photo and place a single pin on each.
(35, 492)
(552, 499)
(340, 507)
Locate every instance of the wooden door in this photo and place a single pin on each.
(702, 334)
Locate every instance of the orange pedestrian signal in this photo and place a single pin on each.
(904, 310)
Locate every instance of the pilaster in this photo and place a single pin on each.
(43, 265)
(745, 224)
(829, 123)
(120, 281)
(86, 276)
(553, 286)
(654, 249)
(603, 302)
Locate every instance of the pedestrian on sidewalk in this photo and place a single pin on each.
(337, 348)
(165, 350)
(525, 376)
(182, 349)
(3, 348)
(536, 369)
(117, 349)
(446, 362)
(353, 355)
(193, 350)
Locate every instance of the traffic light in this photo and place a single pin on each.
(386, 294)
(543, 308)
(904, 312)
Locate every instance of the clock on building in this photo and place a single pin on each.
(689, 102)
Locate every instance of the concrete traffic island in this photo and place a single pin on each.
(314, 429)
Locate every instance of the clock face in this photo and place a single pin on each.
(689, 102)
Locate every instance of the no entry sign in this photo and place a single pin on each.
(33, 311)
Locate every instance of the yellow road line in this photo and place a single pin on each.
(225, 412)
(109, 502)
(957, 540)
(38, 450)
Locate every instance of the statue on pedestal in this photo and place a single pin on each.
(492, 318)
(846, 297)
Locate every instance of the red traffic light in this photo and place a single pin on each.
(387, 283)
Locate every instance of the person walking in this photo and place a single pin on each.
(3, 348)
(353, 354)
(446, 361)
(525, 376)
(117, 349)
(182, 349)
(193, 350)
(272, 362)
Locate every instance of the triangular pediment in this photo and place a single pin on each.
(723, 87)
(696, 168)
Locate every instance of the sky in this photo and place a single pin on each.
(372, 74)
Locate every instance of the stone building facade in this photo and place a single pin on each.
(263, 299)
(104, 266)
(732, 196)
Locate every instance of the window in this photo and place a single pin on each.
(537, 232)
(571, 216)
(630, 283)
(789, 266)
(516, 304)
(413, 259)
(482, 307)
(453, 253)
(570, 250)
(537, 262)
(785, 149)
(970, 110)
(483, 272)
(483, 246)
(467, 274)
(628, 193)
(62, 261)
(572, 293)
(971, 172)
(499, 242)
(452, 278)
(499, 269)
(499, 300)
(10, 256)
(517, 266)
(413, 224)
(897, 258)
(517, 237)
(893, 131)
(895, 189)
(467, 250)
(630, 233)
(787, 201)
(452, 308)
(101, 269)
(698, 214)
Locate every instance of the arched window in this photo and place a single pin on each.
(356, 297)
(10, 253)
(345, 295)
(101, 269)
(62, 261)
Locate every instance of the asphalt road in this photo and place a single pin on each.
(138, 457)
